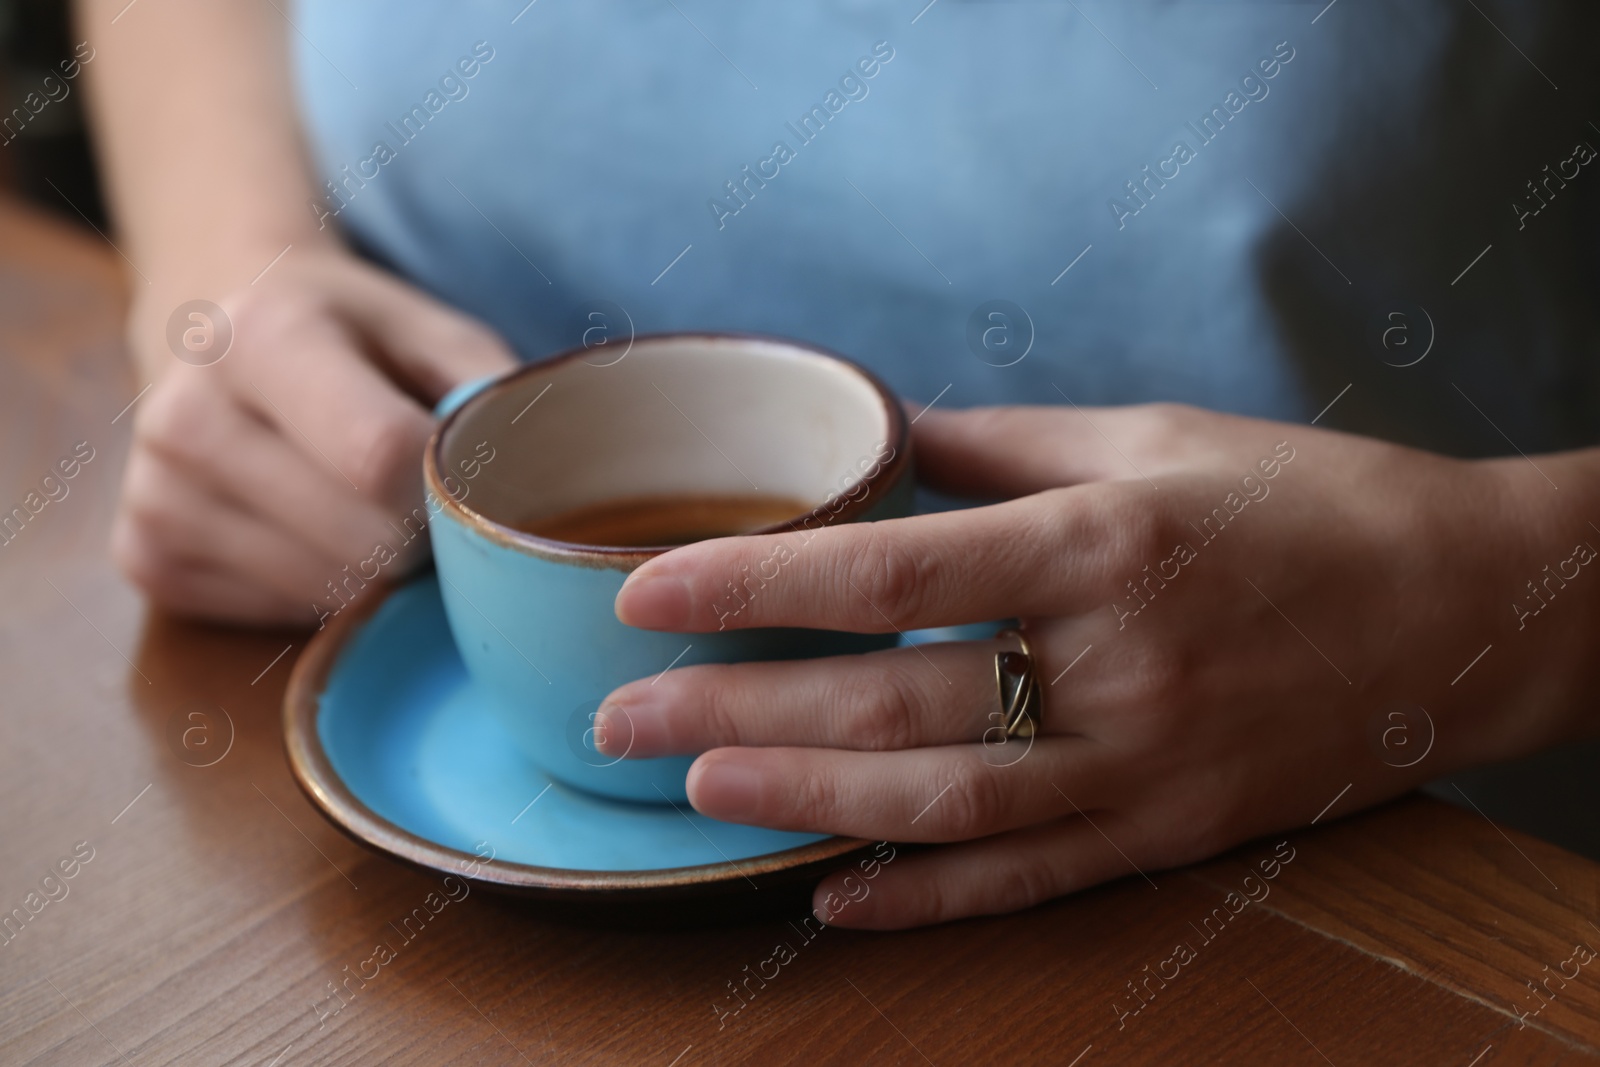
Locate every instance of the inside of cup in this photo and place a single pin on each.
(685, 415)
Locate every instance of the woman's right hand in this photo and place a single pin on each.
(255, 480)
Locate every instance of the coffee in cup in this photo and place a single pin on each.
(640, 522)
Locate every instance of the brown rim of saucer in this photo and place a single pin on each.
(626, 558)
(314, 774)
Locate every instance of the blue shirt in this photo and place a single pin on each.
(1247, 206)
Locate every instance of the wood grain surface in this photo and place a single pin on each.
(211, 914)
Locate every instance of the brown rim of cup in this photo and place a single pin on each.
(620, 557)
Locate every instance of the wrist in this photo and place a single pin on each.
(1548, 591)
(217, 270)
(219, 259)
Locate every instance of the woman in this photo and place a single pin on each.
(1372, 220)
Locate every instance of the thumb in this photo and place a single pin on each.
(425, 344)
(1016, 451)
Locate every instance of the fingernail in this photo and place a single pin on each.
(725, 789)
(601, 728)
(654, 602)
(634, 727)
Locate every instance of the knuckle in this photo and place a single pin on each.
(1148, 532)
(1058, 527)
(262, 312)
(1029, 882)
(815, 800)
(144, 503)
(711, 688)
(996, 421)
(930, 899)
(388, 455)
(893, 581)
(1166, 421)
(465, 335)
(142, 557)
(974, 804)
(887, 719)
(1168, 413)
(1161, 678)
(1160, 429)
(441, 328)
(178, 417)
(1131, 530)
(1209, 829)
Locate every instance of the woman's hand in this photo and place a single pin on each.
(257, 478)
(254, 481)
(1226, 615)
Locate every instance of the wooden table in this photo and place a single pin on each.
(218, 909)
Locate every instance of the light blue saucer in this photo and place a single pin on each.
(391, 741)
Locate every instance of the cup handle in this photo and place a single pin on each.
(461, 394)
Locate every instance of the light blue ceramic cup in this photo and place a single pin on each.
(679, 415)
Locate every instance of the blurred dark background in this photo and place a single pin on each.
(52, 145)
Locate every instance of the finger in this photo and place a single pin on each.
(990, 876)
(189, 586)
(192, 524)
(238, 457)
(1041, 554)
(951, 793)
(318, 390)
(917, 697)
(1013, 451)
(428, 345)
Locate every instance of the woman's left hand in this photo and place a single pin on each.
(1232, 621)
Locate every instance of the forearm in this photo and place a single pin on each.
(206, 170)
